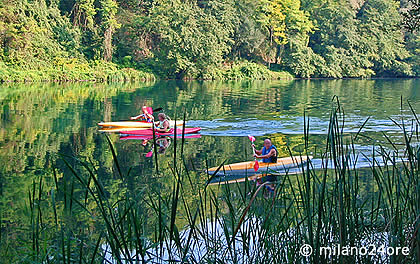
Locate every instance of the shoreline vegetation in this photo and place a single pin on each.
(101, 71)
(97, 71)
(115, 40)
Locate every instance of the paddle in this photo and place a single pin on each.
(256, 165)
(150, 153)
(153, 110)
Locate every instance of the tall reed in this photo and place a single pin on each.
(234, 223)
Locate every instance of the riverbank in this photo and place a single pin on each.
(101, 71)
(73, 70)
(246, 70)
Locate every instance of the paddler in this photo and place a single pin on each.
(163, 124)
(146, 116)
(268, 153)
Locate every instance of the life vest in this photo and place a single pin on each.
(147, 118)
(272, 159)
(160, 126)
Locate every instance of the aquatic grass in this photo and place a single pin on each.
(195, 222)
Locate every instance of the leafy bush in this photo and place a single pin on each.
(245, 70)
(73, 70)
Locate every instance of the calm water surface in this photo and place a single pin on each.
(40, 122)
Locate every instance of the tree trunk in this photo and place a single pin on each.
(108, 44)
(271, 45)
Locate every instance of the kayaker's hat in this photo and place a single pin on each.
(147, 110)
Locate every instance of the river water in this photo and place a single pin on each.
(42, 123)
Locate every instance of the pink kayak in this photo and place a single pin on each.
(151, 137)
(149, 132)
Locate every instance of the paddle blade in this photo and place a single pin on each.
(251, 138)
(256, 165)
(149, 154)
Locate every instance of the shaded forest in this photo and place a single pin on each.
(208, 39)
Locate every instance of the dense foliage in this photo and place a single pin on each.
(208, 38)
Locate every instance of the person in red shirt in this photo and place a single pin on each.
(146, 116)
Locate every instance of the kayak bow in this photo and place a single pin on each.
(138, 124)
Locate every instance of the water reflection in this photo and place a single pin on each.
(226, 176)
(40, 121)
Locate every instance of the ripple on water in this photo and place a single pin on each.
(292, 125)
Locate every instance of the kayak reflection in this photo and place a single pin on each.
(259, 178)
(149, 137)
(162, 142)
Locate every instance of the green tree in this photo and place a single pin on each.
(192, 40)
(34, 32)
(410, 11)
(207, 38)
(413, 46)
(285, 22)
(380, 26)
(295, 53)
(248, 37)
(339, 42)
(134, 40)
(359, 39)
(84, 13)
(109, 10)
(272, 17)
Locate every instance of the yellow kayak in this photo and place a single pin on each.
(229, 180)
(247, 167)
(136, 124)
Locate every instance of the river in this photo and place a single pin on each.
(42, 124)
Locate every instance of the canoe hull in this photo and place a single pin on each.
(149, 132)
(130, 124)
(247, 168)
(134, 137)
(119, 129)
